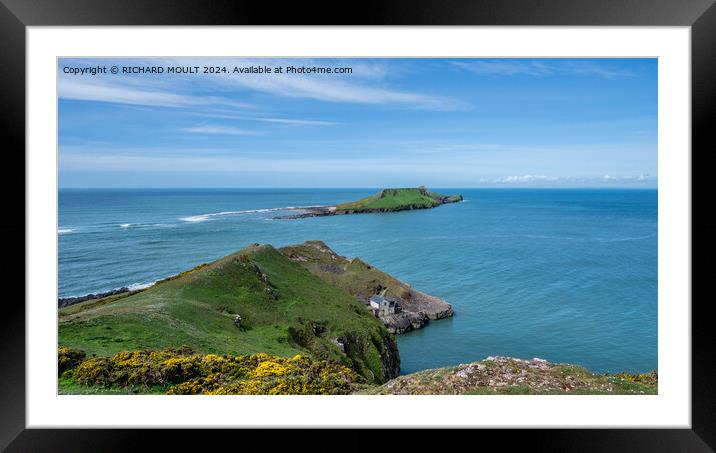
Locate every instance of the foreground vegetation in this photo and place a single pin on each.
(285, 310)
(183, 372)
(510, 376)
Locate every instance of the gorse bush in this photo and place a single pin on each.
(183, 372)
(650, 378)
(68, 358)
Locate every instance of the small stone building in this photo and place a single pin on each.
(383, 305)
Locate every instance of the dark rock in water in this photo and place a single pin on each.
(67, 301)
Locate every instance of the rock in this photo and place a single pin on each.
(318, 329)
(339, 343)
(403, 322)
(67, 301)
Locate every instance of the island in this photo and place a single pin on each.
(387, 200)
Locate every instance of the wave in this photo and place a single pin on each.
(125, 225)
(136, 286)
(637, 238)
(65, 230)
(205, 217)
(568, 238)
(113, 291)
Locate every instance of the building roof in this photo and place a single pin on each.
(377, 298)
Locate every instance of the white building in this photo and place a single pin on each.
(383, 305)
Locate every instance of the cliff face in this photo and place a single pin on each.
(362, 281)
(360, 349)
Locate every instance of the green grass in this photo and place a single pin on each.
(355, 276)
(68, 386)
(197, 309)
(397, 199)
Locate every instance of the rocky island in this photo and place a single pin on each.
(387, 200)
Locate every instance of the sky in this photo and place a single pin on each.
(388, 123)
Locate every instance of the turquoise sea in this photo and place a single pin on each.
(565, 275)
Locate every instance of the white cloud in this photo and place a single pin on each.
(287, 121)
(76, 88)
(506, 67)
(361, 87)
(219, 130)
(84, 90)
(528, 178)
(529, 67)
(327, 90)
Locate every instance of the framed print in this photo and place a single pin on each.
(482, 220)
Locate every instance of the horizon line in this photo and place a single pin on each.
(363, 187)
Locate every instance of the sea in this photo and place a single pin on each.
(566, 275)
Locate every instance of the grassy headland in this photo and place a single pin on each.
(285, 310)
(362, 281)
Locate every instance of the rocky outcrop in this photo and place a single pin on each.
(507, 375)
(402, 322)
(67, 301)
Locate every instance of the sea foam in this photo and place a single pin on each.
(205, 217)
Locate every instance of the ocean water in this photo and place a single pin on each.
(565, 275)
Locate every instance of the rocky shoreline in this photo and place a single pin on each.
(323, 211)
(63, 302)
(415, 314)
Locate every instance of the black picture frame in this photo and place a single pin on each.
(16, 15)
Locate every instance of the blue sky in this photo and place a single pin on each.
(392, 122)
